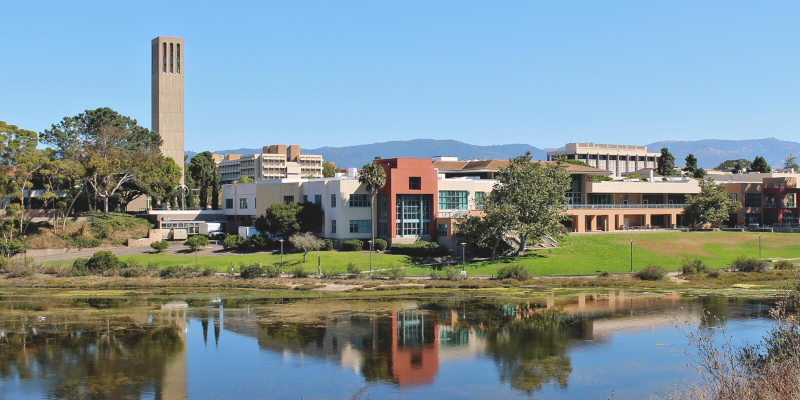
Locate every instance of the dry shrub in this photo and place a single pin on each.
(21, 268)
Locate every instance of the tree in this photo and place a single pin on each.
(533, 196)
(158, 178)
(244, 179)
(730, 164)
(711, 205)
(760, 165)
(485, 231)
(738, 168)
(666, 163)
(699, 173)
(19, 161)
(373, 177)
(329, 169)
(196, 242)
(310, 217)
(691, 165)
(205, 177)
(279, 218)
(306, 242)
(159, 246)
(790, 162)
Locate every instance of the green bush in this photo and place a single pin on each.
(380, 245)
(11, 247)
(714, 273)
(273, 271)
(783, 264)
(327, 245)
(257, 242)
(232, 242)
(132, 272)
(513, 271)
(452, 273)
(308, 287)
(196, 242)
(79, 267)
(102, 262)
(83, 242)
(353, 270)
(177, 271)
(748, 264)
(329, 273)
(299, 272)
(251, 271)
(159, 246)
(690, 266)
(651, 273)
(394, 273)
(420, 249)
(352, 245)
(604, 274)
(435, 274)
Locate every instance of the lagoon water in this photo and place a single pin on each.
(442, 346)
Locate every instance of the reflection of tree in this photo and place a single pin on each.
(93, 365)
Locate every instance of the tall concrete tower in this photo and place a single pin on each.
(167, 95)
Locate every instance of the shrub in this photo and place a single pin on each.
(329, 273)
(132, 272)
(232, 242)
(353, 270)
(435, 274)
(159, 246)
(420, 249)
(394, 273)
(273, 271)
(452, 273)
(513, 271)
(257, 242)
(714, 273)
(79, 267)
(651, 273)
(83, 242)
(352, 245)
(327, 245)
(783, 264)
(299, 272)
(748, 264)
(251, 271)
(177, 271)
(11, 247)
(103, 262)
(690, 266)
(380, 245)
(207, 271)
(604, 274)
(196, 242)
(19, 268)
(308, 287)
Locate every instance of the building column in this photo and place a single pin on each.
(647, 219)
(611, 223)
(580, 223)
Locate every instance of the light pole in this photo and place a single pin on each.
(759, 245)
(281, 240)
(463, 256)
(370, 256)
(195, 251)
(631, 255)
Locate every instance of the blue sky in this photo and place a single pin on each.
(319, 73)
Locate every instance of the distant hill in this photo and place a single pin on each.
(709, 152)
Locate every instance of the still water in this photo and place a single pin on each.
(447, 346)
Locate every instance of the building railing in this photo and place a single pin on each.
(621, 206)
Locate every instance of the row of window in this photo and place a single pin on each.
(173, 65)
(243, 203)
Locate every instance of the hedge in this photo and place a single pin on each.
(352, 245)
(420, 249)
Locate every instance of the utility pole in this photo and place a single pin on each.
(631, 255)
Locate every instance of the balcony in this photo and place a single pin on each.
(621, 206)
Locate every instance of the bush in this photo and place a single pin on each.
(353, 270)
(452, 273)
(159, 246)
(329, 273)
(435, 274)
(273, 271)
(11, 247)
(394, 273)
(604, 274)
(514, 271)
(251, 271)
(19, 268)
(308, 287)
(196, 242)
(714, 273)
(177, 271)
(420, 249)
(783, 264)
(327, 245)
(299, 272)
(232, 242)
(380, 245)
(257, 242)
(132, 272)
(651, 273)
(79, 267)
(748, 264)
(690, 266)
(352, 245)
(83, 242)
(103, 262)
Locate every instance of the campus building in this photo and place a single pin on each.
(166, 91)
(767, 199)
(618, 158)
(274, 162)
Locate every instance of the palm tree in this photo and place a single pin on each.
(374, 178)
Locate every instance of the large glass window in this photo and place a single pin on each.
(791, 200)
(442, 230)
(770, 201)
(752, 199)
(288, 199)
(318, 199)
(229, 204)
(594, 198)
(359, 200)
(413, 213)
(733, 196)
(243, 203)
(479, 200)
(359, 226)
(453, 199)
(676, 199)
(753, 218)
(652, 199)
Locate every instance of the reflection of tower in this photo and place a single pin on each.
(204, 323)
(217, 325)
(175, 371)
(167, 95)
(415, 350)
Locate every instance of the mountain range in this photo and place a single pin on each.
(709, 152)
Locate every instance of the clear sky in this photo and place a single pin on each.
(319, 73)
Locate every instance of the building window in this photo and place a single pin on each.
(770, 201)
(752, 200)
(442, 230)
(179, 57)
(791, 200)
(318, 199)
(229, 204)
(359, 226)
(333, 201)
(333, 226)
(733, 196)
(359, 200)
(164, 62)
(733, 219)
(414, 183)
(288, 199)
(753, 218)
(171, 59)
(305, 198)
(243, 203)
(769, 219)
(453, 199)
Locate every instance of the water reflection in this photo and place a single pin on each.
(144, 353)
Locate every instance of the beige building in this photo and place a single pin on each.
(617, 158)
(274, 162)
(167, 95)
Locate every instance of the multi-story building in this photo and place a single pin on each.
(617, 158)
(767, 199)
(274, 162)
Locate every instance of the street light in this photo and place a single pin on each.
(631, 255)
(281, 240)
(195, 251)
(759, 245)
(370, 256)
(463, 255)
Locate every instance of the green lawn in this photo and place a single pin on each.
(590, 254)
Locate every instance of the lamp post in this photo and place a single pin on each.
(759, 245)
(370, 256)
(463, 256)
(631, 255)
(195, 251)
(281, 240)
